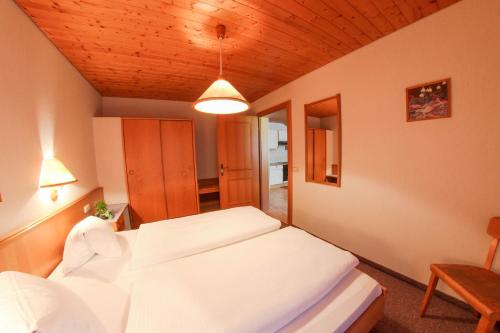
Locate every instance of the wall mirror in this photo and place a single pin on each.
(323, 141)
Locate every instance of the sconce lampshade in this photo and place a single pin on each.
(55, 173)
(221, 98)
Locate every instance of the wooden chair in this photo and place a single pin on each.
(480, 287)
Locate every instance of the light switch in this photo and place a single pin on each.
(86, 208)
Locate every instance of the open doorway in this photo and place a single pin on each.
(276, 162)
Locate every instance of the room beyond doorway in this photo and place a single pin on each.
(276, 161)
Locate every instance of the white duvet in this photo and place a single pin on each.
(168, 240)
(258, 285)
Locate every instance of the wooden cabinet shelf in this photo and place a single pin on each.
(208, 189)
(210, 185)
(209, 205)
(118, 220)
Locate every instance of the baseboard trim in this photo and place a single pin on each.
(402, 277)
(413, 282)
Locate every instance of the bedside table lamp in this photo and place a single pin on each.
(55, 174)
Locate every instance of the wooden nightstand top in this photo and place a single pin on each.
(117, 210)
(118, 218)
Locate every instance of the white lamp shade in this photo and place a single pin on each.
(55, 173)
(221, 98)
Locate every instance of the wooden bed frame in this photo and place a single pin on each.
(37, 249)
(371, 316)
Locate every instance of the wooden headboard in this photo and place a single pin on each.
(38, 248)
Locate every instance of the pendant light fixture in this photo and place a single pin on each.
(221, 97)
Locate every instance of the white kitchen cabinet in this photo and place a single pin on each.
(272, 139)
(282, 136)
(275, 174)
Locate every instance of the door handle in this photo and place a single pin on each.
(222, 169)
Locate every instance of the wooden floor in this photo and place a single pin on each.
(278, 203)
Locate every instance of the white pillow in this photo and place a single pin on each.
(88, 237)
(31, 304)
(76, 250)
(101, 238)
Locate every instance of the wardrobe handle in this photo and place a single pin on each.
(131, 172)
(222, 169)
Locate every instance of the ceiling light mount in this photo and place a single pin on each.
(221, 97)
(221, 31)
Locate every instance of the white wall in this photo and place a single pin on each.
(205, 124)
(110, 161)
(412, 193)
(329, 122)
(277, 126)
(313, 122)
(46, 108)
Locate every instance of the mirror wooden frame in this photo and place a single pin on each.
(339, 139)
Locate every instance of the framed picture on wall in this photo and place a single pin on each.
(430, 100)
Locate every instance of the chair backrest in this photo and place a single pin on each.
(494, 231)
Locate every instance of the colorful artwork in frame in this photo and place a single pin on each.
(429, 101)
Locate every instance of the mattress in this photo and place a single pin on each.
(340, 308)
(105, 285)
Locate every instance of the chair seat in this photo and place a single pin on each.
(478, 286)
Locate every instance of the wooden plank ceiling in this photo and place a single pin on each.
(167, 49)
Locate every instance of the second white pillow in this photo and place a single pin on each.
(88, 237)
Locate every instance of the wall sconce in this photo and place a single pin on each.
(55, 174)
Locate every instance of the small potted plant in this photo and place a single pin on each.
(102, 211)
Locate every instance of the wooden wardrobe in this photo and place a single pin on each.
(161, 169)
(320, 160)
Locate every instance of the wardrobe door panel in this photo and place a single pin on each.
(319, 155)
(142, 145)
(179, 167)
(310, 155)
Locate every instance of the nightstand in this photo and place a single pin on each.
(118, 219)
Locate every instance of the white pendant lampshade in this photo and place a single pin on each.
(221, 97)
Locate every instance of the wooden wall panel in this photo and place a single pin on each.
(38, 248)
(168, 49)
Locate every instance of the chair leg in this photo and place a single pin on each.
(428, 294)
(485, 325)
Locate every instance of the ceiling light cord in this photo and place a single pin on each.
(220, 57)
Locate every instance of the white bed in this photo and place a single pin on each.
(161, 242)
(105, 285)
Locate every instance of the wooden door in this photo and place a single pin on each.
(264, 163)
(238, 157)
(179, 167)
(319, 155)
(142, 145)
